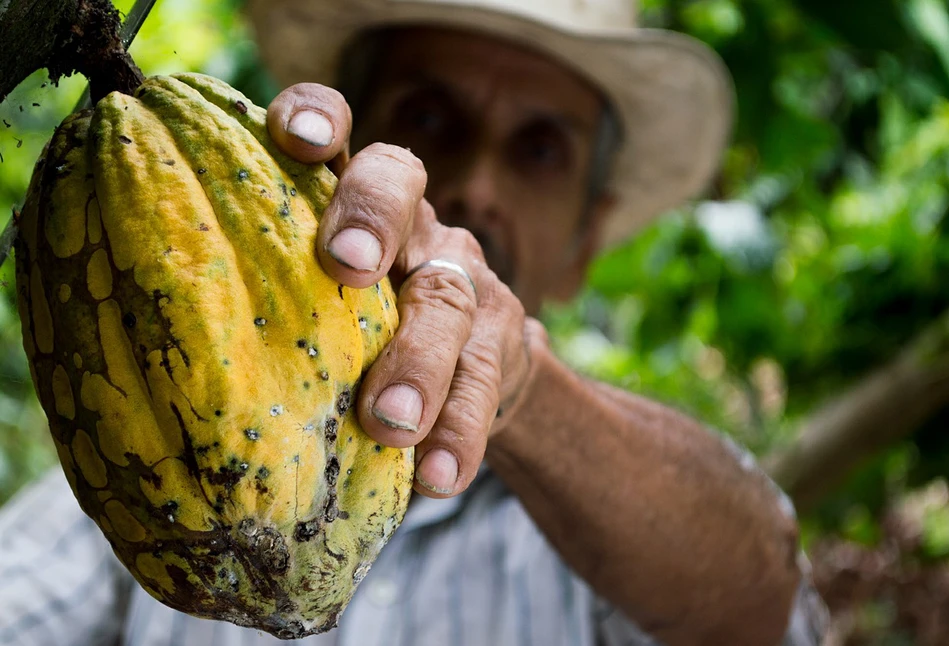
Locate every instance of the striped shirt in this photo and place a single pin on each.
(473, 570)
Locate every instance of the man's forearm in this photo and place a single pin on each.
(651, 509)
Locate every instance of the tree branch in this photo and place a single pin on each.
(64, 36)
(885, 406)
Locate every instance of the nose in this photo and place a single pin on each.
(470, 197)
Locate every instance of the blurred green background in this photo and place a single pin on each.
(808, 289)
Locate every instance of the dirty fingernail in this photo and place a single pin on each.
(438, 471)
(399, 406)
(357, 249)
(311, 127)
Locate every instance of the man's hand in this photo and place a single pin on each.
(459, 355)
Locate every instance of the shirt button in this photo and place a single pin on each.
(382, 592)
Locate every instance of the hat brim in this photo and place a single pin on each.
(672, 93)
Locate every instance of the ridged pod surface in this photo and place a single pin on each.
(197, 367)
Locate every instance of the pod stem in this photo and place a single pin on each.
(95, 49)
(65, 36)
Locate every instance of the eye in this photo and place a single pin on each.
(423, 114)
(542, 147)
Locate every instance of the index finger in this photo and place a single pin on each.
(371, 214)
(310, 122)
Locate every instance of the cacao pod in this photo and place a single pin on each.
(197, 367)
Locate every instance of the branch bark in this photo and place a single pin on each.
(887, 405)
(64, 36)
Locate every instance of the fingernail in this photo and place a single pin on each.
(311, 127)
(399, 406)
(357, 249)
(438, 471)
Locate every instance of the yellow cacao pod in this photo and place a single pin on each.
(197, 367)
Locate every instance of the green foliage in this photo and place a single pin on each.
(825, 250)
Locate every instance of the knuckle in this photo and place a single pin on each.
(310, 93)
(466, 242)
(479, 363)
(377, 199)
(385, 197)
(469, 410)
(435, 346)
(403, 156)
(508, 304)
(513, 306)
(425, 216)
(443, 290)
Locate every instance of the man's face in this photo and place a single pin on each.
(506, 136)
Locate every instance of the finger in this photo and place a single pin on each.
(405, 388)
(310, 122)
(449, 456)
(371, 214)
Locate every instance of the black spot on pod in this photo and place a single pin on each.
(259, 321)
(331, 512)
(324, 376)
(284, 210)
(293, 191)
(301, 343)
(242, 174)
(129, 320)
(343, 402)
(332, 470)
(377, 448)
(252, 434)
(263, 472)
(292, 630)
(330, 428)
(344, 515)
(306, 531)
(168, 162)
(125, 140)
(306, 385)
(202, 171)
(272, 550)
(218, 413)
(265, 229)
(241, 107)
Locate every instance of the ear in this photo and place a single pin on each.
(587, 244)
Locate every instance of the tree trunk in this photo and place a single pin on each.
(884, 407)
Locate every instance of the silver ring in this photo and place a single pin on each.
(445, 264)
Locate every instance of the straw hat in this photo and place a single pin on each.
(671, 92)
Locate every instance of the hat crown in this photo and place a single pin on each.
(578, 15)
